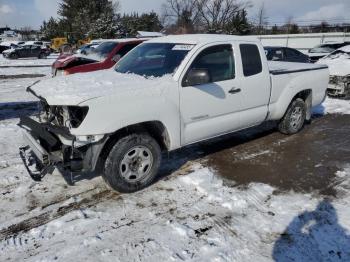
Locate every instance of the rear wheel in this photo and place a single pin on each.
(14, 56)
(42, 56)
(294, 119)
(132, 163)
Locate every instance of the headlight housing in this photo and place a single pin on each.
(339, 79)
(67, 116)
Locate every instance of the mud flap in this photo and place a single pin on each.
(35, 168)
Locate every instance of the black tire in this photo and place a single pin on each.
(14, 56)
(42, 56)
(121, 153)
(294, 119)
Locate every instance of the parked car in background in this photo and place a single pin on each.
(102, 57)
(6, 46)
(339, 67)
(323, 50)
(87, 48)
(285, 54)
(3, 48)
(166, 93)
(26, 51)
(40, 43)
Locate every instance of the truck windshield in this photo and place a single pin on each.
(153, 59)
(322, 49)
(339, 54)
(104, 49)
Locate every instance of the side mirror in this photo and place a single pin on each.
(116, 58)
(197, 77)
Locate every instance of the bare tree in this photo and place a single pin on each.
(116, 6)
(183, 13)
(288, 25)
(261, 19)
(26, 33)
(216, 14)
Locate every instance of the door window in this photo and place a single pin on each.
(292, 53)
(125, 49)
(219, 62)
(251, 59)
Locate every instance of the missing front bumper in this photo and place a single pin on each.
(44, 150)
(36, 169)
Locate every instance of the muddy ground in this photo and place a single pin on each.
(305, 162)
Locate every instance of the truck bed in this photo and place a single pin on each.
(279, 68)
(288, 79)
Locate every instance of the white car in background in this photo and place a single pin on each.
(339, 68)
(325, 49)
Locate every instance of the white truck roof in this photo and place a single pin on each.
(121, 40)
(195, 39)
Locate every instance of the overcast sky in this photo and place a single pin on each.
(19, 13)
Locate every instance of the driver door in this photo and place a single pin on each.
(211, 109)
(23, 52)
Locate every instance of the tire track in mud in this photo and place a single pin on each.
(86, 202)
(48, 216)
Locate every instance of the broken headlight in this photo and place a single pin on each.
(67, 116)
(336, 80)
(76, 115)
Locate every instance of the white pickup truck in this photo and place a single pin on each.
(166, 93)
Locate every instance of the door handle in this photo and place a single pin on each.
(234, 90)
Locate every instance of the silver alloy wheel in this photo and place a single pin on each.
(296, 117)
(136, 164)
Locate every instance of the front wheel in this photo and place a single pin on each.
(132, 163)
(294, 119)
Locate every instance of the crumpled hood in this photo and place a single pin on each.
(8, 51)
(337, 66)
(64, 60)
(78, 88)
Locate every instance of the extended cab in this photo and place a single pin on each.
(166, 93)
(104, 56)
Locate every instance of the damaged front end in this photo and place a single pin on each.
(339, 86)
(50, 144)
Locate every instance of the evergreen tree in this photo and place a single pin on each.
(94, 18)
(51, 29)
(239, 24)
(274, 30)
(294, 29)
(131, 23)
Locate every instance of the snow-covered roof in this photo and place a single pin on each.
(120, 40)
(149, 34)
(200, 38)
(345, 48)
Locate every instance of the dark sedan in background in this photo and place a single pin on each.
(27, 51)
(285, 54)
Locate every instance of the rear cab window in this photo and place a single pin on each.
(251, 59)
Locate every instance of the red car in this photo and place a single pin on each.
(103, 57)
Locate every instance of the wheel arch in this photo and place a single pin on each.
(306, 96)
(155, 129)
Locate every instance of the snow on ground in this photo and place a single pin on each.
(12, 71)
(333, 106)
(192, 215)
(28, 61)
(12, 90)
